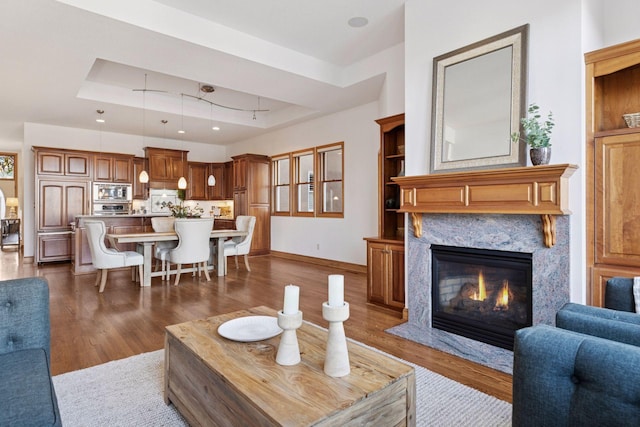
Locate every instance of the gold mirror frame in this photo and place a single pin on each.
(487, 132)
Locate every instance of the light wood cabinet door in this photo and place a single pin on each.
(385, 273)
(617, 215)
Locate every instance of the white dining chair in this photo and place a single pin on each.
(193, 245)
(104, 258)
(161, 251)
(241, 245)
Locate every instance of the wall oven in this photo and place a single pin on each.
(112, 198)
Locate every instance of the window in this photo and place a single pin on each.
(309, 182)
(281, 170)
(330, 168)
(303, 166)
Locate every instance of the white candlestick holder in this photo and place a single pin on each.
(336, 362)
(288, 350)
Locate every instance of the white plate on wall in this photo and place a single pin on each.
(250, 328)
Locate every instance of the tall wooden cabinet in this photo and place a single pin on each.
(63, 191)
(612, 157)
(385, 252)
(251, 196)
(140, 190)
(197, 188)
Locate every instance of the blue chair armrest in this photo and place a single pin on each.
(614, 325)
(565, 378)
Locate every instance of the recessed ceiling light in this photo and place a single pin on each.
(358, 21)
(181, 131)
(215, 128)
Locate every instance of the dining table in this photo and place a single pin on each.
(146, 240)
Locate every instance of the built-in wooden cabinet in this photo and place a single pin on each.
(109, 167)
(62, 162)
(140, 190)
(390, 165)
(57, 205)
(385, 268)
(252, 196)
(165, 167)
(218, 191)
(228, 180)
(197, 188)
(385, 252)
(612, 158)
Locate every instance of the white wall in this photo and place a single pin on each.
(329, 238)
(559, 33)
(90, 140)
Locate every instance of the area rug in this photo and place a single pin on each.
(128, 392)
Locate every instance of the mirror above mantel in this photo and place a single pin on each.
(479, 96)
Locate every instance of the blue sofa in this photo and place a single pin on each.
(27, 396)
(585, 371)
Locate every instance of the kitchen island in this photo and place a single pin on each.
(81, 262)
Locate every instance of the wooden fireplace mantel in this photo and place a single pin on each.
(541, 190)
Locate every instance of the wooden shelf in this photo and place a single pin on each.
(541, 190)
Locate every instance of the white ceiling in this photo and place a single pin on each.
(63, 60)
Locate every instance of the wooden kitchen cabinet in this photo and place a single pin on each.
(252, 196)
(165, 167)
(140, 190)
(69, 163)
(58, 203)
(218, 191)
(385, 273)
(612, 156)
(197, 188)
(228, 180)
(113, 168)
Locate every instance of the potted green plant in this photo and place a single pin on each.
(537, 135)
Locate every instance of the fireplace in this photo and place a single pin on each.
(480, 293)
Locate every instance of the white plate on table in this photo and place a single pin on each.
(250, 328)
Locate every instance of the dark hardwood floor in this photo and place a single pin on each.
(88, 328)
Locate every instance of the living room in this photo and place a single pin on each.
(560, 34)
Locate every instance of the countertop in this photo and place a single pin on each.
(144, 216)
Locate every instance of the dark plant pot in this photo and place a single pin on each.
(540, 156)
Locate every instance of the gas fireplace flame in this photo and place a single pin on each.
(481, 294)
(502, 302)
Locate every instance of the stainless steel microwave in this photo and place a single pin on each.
(112, 192)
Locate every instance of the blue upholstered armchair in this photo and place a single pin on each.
(585, 371)
(27, 397)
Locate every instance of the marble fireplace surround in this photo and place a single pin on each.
(519, 231)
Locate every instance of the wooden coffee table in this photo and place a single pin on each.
(215, 381)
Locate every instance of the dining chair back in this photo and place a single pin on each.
(162, 224)
(104, 258)
(241, 245)
(193, 244)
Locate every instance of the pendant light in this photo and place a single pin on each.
(143, 178)
(211, 180)
(182, 182)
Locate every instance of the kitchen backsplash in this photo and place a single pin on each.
(153, 205)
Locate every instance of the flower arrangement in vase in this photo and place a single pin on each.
(180, 210)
